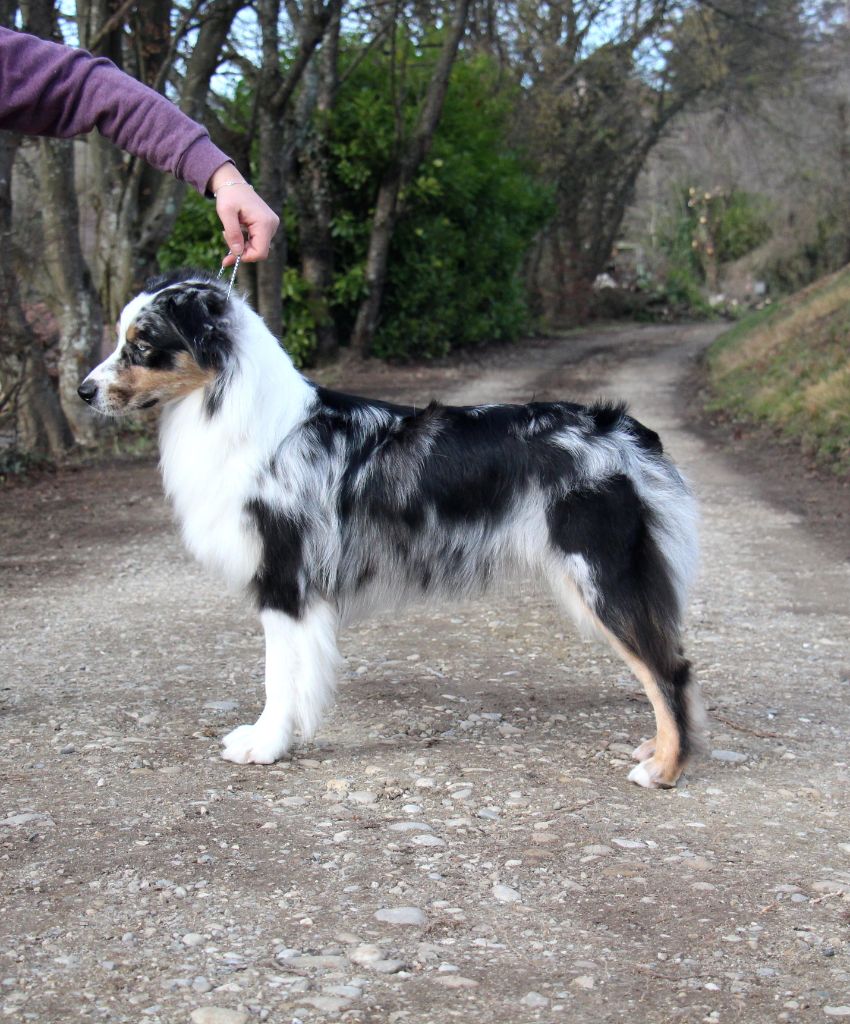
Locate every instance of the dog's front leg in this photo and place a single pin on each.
(300, 673)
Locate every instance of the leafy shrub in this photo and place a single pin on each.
(299, 335)
(738, 224)
(708, 229)
(196, 238)
(453, 275)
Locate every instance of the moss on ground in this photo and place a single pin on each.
(788, 367)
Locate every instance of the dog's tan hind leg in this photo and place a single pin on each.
(660, 758)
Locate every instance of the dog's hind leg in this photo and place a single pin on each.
(675, 703)
(674, 699)
(301, 664)
(648, 642)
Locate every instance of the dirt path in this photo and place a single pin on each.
(473, 772)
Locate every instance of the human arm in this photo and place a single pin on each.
(50, 89)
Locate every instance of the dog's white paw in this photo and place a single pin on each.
(255, 744)
(652, 775)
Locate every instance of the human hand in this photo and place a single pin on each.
(241, 210)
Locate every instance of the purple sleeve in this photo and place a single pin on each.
(50, 89)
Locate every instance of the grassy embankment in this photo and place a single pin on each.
(788, 367)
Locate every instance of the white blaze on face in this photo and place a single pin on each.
(129, 314)
(105, 374)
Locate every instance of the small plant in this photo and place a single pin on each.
(709, 229)
(299, 325)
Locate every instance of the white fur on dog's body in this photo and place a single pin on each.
(198, 455)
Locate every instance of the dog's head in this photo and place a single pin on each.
(173, 339)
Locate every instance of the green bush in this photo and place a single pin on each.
(196, 238)
(683, 291)
(453, 275)
(299, 335)
(716, 226)
(738, 224)
(684, 277)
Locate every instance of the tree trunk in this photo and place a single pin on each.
(275, 94)
(27, 395)
(555, 299)
(380, 237)
(272, 189)
(398, 178)
(73, 297)
(40, 426)
(104, 171)
(532, 276)
(133, 206)
(270, 168)
(313, 192)
(157, 197)
(27, 398)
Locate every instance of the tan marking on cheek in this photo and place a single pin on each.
(187, 376)
(138, 384)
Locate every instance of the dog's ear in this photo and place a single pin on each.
(197, 312)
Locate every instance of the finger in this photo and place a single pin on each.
(261, 230)
(260, 223)
(229, 216)
(230, 258)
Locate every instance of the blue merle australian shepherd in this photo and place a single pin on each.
(324, 506)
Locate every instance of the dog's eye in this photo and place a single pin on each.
(142, 348)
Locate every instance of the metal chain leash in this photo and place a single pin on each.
(232, 276)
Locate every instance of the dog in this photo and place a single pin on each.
(324, 506)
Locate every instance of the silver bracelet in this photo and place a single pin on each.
(225, 184)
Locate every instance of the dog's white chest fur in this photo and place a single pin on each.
(208, 478)
(212, 465)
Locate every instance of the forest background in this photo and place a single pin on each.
(448, 175)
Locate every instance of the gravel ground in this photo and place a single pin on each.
(461, 842)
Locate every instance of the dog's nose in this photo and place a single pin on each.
(87, 390)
